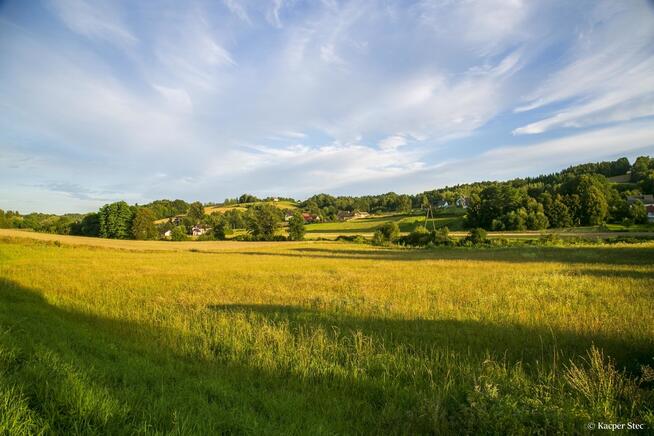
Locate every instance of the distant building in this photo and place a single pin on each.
(650, 213)
(442, 204)
(359, 214)
(310, 217)
(168, 233)
(199, 230)
(645, 199)
(462, 202)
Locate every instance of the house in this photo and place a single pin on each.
(344, 215)
(168, 233)
(645, 199)
(359, 214)
(288, 215)
(462, 202)
(310, 217)
(199, 231)
(442, 204)
(650, 213)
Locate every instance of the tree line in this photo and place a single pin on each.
(576, 196)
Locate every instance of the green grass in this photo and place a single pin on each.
(322, 338)
(452, 218)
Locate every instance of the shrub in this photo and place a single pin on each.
(419, 237)
(442, 237)
(179, 234)
(386, 234)
(476, 236)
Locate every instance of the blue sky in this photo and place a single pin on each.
(123, 100)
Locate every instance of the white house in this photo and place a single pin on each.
(199, 231)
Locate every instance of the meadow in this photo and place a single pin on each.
(451, 218)
(126, 337)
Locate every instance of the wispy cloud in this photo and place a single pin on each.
(142, 102)
(608, 76)
(97, 19)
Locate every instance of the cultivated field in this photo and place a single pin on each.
(129, 337)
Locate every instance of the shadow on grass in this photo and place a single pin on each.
(475, 339)
(594, 255)
(85, 374)
(89, 374)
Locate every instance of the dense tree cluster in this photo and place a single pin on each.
(167, 208)
(579, 195)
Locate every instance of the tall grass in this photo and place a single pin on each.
(324, 338)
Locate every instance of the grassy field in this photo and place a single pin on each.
(127, 337)
(452, 218)
(282, 204)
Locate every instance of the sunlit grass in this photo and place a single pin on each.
(322, 337)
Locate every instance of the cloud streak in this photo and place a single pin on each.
(211, 99)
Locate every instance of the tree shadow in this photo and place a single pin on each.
(512, 342)
(85, 373)
(81, 373)
(593, 255)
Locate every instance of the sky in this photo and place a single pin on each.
(113, 100)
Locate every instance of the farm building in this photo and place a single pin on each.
(645, 199)
(310, 217)
(199, 230)
(442, 204)
(650, 213)
(462, 202)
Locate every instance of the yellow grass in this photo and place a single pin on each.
(320, 337)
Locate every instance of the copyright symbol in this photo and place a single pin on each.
(590, 426)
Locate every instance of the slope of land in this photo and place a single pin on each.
(321, 338)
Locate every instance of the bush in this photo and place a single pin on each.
(419, 237)
(386, 234)
(357, 239)
(476, 236)
(442, 237)
(179, 234)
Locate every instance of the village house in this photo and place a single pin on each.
(168, 233)
(462, 202)
(442, 204)
(310, 217)
(199, 230)
(645, 199)
(650, 213)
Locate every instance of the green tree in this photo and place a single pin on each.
(477, 236)
(90, 225)
(638, 213)
(296, 228)
(143, 226)
(386, 234)
(262, 220)
(594, 207)
(218, 224)
(115, 220)
(179, 234)
(558, 214)
(647, 184)
(640, 168)
(404, 203)
(196, 212)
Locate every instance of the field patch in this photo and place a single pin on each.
(323, 337)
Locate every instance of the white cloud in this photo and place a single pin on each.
(273, 13)
(392, 142)
(98, 19)
(609, 75)
(238, 9)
